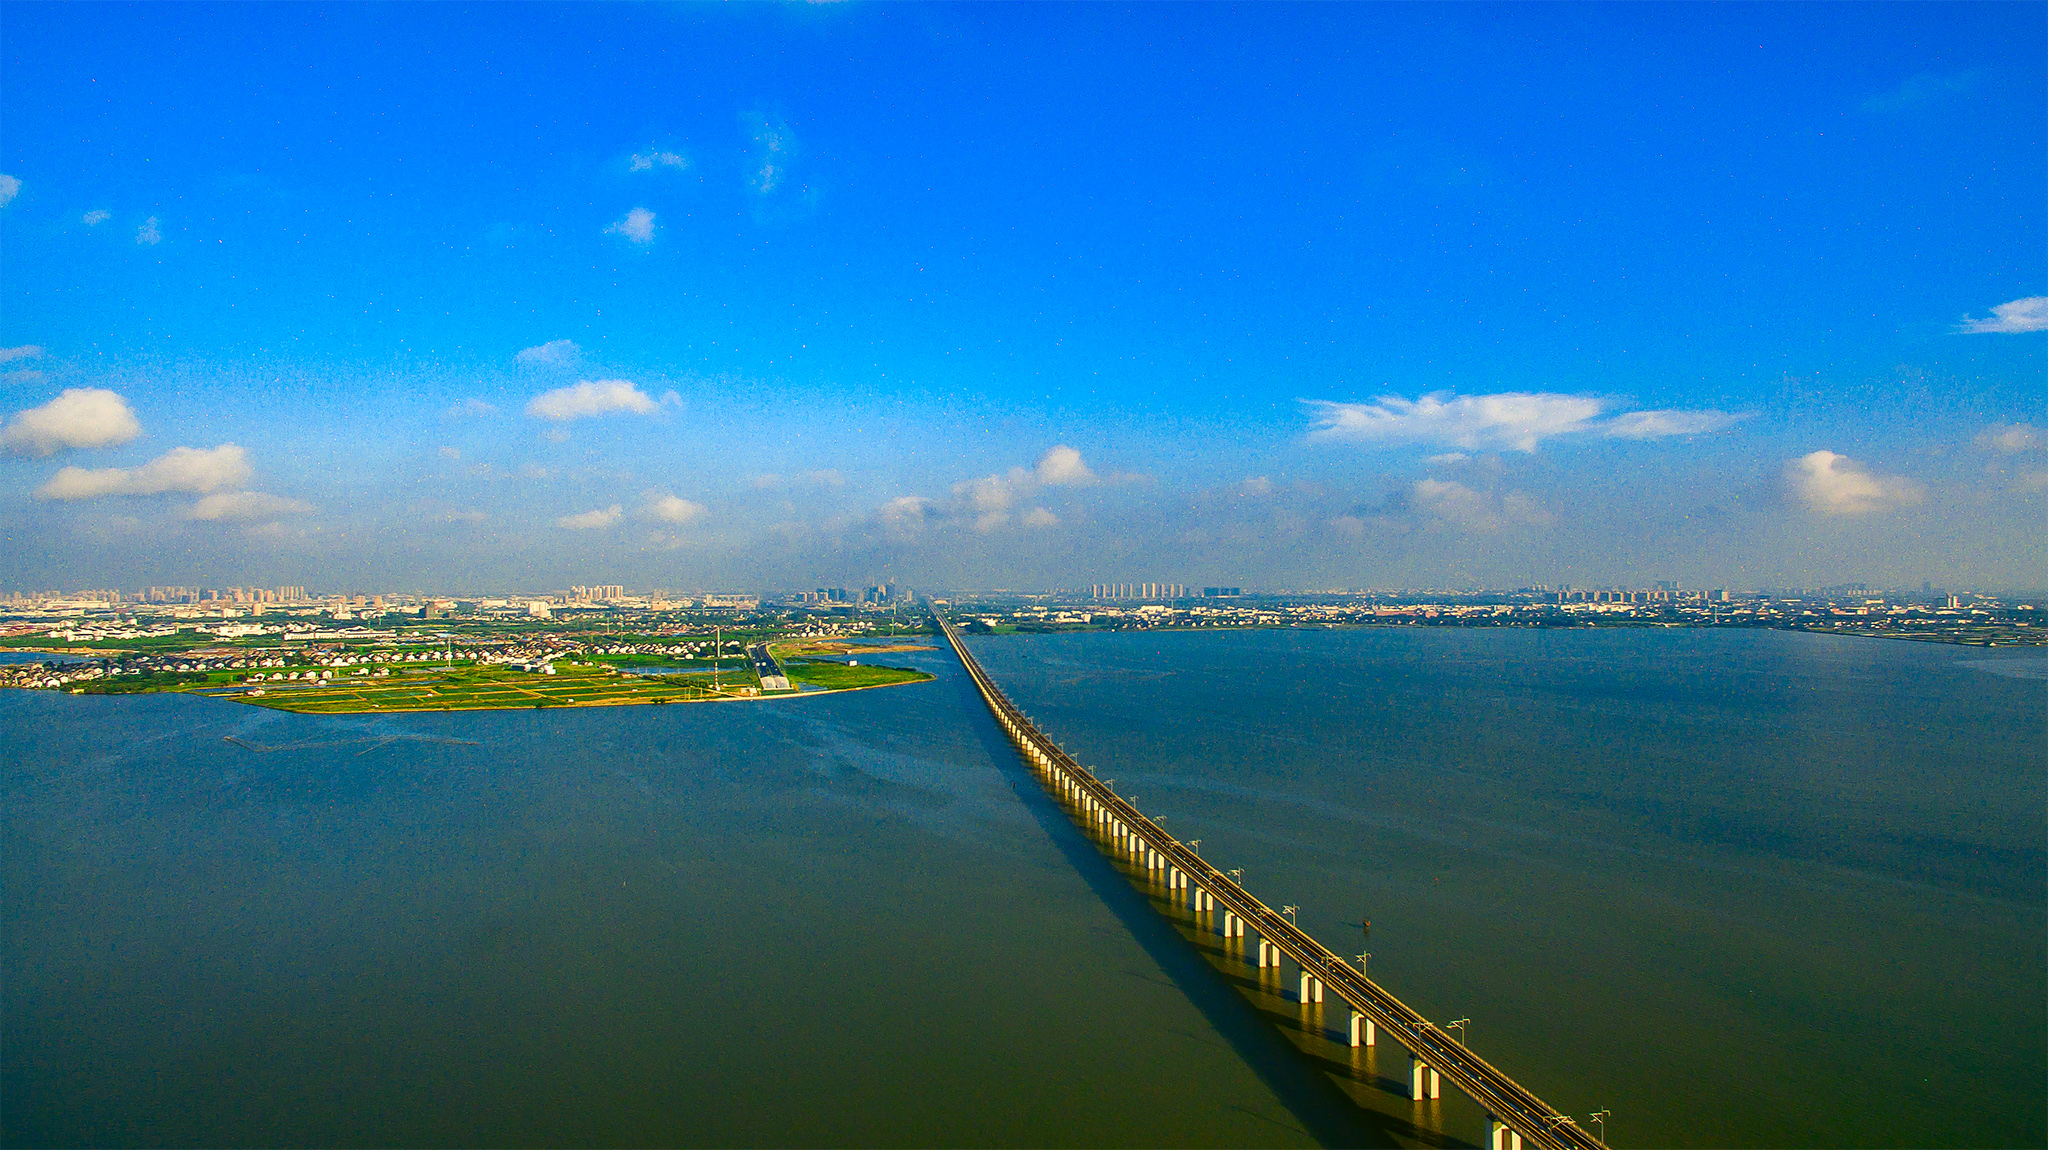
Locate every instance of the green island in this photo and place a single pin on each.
(458, 683)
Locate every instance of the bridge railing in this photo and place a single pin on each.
(1510, 1103)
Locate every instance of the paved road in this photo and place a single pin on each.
(772, 678)
(1537, 1122)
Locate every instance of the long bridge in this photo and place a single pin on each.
(1515, 1116)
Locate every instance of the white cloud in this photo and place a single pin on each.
(1062, 467)
(185, 470)
(1447, 458)
(673, 508)
(246, 505)
(96, 217)
(590, 397)
(1477, 510)
(1834, 484)
(905, 515)
(468, 407)
(553, 353)
(149, 234)
(1515, 419)
(1663, 424)
(10, 187)
(471, 517)
(592, 520)
(2029, 314)
(2012, 438)
(988, 503)
(451, 453)
(25, 351)
(651, 159)
(79, 417)
(1256, 485)
(767, 482)
(826, 478)
(1510, 420)
(637, 226)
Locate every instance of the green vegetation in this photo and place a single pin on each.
(840, 677)
(472, 687)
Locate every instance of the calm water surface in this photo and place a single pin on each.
(1740, 888)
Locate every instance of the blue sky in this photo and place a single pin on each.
(1031, 296)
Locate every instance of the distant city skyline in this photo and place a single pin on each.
(758, 297)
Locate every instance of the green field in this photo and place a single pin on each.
(489, 688)
(840, 677)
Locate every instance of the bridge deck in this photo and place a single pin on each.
(1508, 1101)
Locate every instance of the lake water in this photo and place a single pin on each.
(1739, 888)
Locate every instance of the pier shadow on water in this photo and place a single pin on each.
(1300, 1078)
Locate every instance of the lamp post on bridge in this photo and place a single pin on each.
(1289, 911)
(1600, 1116)
(1460, 1026)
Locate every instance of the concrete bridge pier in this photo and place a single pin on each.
(1311, 988)
(1363, 1032)
(1233, 926)
(1269, 955)
(1500, 1137)
(1423, 1082)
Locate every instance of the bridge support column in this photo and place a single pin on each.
(1423, 1082)
(1500, 1137)
(1307, 994)
(1363, 1032)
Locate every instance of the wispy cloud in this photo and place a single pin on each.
(149, 234)
(2029, 314)
(772, 481)
(553, 353)
(10, 187)
(1476, 510)
(637, 226)
(468, 407)
(654, 158)
(80, 417)
(246, 506)
(1665, 424)
(1511, 420)
(2012, 438)
(592, 520)
(591, 397)
(774, 148)
(673, 508)
(25, 351)
(1832, 484)
(1920, 91)
(96, 217)
(182, 470)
